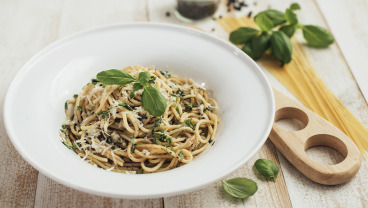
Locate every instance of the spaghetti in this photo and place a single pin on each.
(107, 126)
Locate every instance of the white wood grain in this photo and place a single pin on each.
(52, 194)
(26, 27)
(348, 21)
(29, 26)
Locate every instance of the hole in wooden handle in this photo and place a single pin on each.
(289, 115)
(329, 141)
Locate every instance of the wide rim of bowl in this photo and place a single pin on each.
(21, 73)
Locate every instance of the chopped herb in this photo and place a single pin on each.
(158, 122)
(133, 145)
(94, 81)
(66, 105)
(152, 80)
(181, 155)
(168, 142)
(80, 108)
(177, 110)
(207, 109)
(178, 93)
(68, 145)
(131, 95)
(75, 96)
(165, 74)
(172, 148)
(142, 117)
(104, 114)
(157, 141)
(125, 105)
(64, 126)
(189, 107)
(188, 123)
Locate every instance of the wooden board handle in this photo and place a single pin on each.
(318, 131)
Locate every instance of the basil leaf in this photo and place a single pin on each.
(243, 35)
(275, 16)
(317, 36)
(131, 95)
(281, 47)
(249, 50)
(143, 77)
(260, 44)
(115, 77)
(153, 101)
(295, 6)
(264, 22)
(266, 169)
(137, 86)
(290, 16)
(289, 30)
(240, 187)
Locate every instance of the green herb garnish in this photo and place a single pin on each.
(75, 96)
(66, 105)
(181, 155)
(166, 74)
(105, 113)
(207, 109)
(276, 29)
(188, 123)
(94, 81)
(188, 107)
(131, 95)
(239, 187)
(133, 145)
(125, 105)
(266, 169)
(80, 108)
(68, 145)
(152, 99)
(178, 93)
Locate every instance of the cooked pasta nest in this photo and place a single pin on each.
(126, 138)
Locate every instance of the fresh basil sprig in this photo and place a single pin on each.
(266, 169)
(277, 29)
(317, 36)
(152, 99)
(239, 187)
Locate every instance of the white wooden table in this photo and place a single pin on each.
(28, 26)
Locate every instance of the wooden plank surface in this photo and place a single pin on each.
(19, 40)
(348, 20)
(33, 25)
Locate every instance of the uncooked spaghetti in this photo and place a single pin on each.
(108, 126)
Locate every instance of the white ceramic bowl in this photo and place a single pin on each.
(34, 104)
